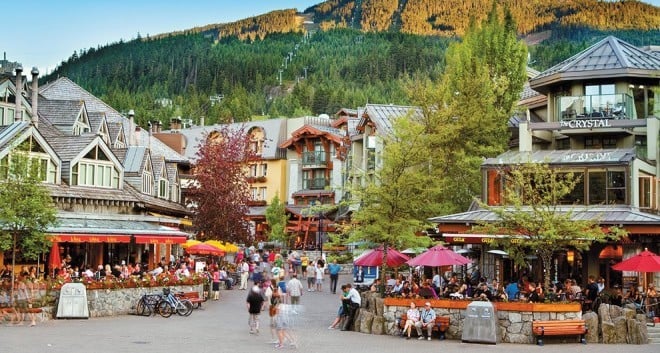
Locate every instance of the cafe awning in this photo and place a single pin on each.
(90, 238)
(159, 239)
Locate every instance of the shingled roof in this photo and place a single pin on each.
(65, 89)
(610, 58)
(382, 115)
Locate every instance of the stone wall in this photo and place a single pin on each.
(112, 302)
(612, 324)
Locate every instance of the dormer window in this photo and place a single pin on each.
(95, 169)
(81, 125)
(148, 179)
(257, 140)
(46, 167)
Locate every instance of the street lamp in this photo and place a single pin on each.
(318, 230)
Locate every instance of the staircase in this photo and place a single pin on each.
(654, 334)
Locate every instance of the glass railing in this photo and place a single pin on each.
(604, 106)
(315, 184)
(313, 158)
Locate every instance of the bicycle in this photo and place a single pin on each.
(148, 304)
(170, 304)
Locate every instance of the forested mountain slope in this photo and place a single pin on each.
(354, 52)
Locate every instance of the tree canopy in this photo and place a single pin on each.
(220, 193)
(26, 208)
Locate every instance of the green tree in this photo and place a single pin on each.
(394, 205)
(469, 109)
(277, 219)
(26, 208)
(534, 220)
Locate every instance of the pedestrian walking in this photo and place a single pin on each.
(334, 270)
(294, 289)
(255, 302)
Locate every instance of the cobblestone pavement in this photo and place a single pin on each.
(221, 326)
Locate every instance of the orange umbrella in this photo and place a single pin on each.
(190, 242)
(204, 249)
(54, 259)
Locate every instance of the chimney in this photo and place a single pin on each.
(175, 124)
(132, 129)
(35, 97)
(19, 93)
(201, 121)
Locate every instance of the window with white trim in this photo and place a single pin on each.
(95, 169)
(163, 188)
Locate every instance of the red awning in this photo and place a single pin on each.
(90, 238)
(159, 239)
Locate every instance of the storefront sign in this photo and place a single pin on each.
(90, 238)
(585, 124)
(587, 157)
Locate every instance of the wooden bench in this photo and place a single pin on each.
(194, 298)
(559, 328)
(441, 324)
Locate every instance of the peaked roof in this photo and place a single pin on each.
(9, 132)
(609, 58)
(330, 133)
(63, 88)
(61, 113)
(382, 115)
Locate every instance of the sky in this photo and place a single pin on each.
(43, 33)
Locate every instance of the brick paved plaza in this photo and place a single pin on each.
(222, 327)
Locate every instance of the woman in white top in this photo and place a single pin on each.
(412, 317)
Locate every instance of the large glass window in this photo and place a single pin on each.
(98, 174)
(576, 196)
(608, 187)
(599, 98)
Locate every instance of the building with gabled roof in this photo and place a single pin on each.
(104, 216)
(595, 115)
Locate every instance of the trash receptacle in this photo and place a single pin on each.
(480, 325)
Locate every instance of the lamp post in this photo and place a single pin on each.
(319, 228)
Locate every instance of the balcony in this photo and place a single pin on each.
(315, 184)
(314, 159)
(605, 106)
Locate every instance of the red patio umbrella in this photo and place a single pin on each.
(374, 257)
(54, 259)
(204, 249)
(645, 261)
(438, 256)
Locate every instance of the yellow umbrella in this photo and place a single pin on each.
(231, 247)
(190, 242)
(216, 244)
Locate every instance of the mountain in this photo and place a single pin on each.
(336, 54)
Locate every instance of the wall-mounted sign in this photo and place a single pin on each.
(585, 123)
(587, 157)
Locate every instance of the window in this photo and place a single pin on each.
(262, 194)
(147, 182)
(163, 188)
(253, 170)
(564, 144)
(608, 187)
(255, 193)
(576, 196)
(646, 194)
(641, 147)
(95, 169)
(175, 193)
(264, 169)
(45, 168)
(599, 142)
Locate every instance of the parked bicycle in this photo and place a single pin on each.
(148, 304)
(171, 304)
